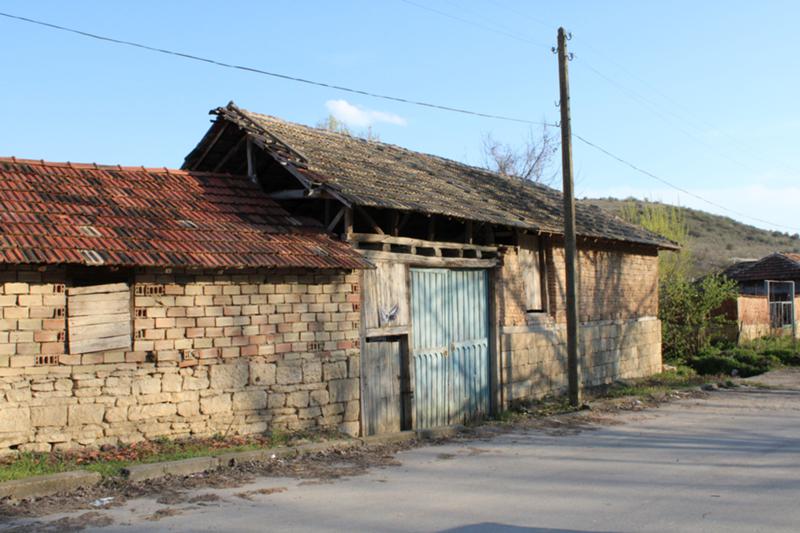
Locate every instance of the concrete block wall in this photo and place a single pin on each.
(231, 353)
(534, 358)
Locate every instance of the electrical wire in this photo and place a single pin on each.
(654, 108)
(476, 24)
(387, 97)
(686, 116)
(676, 187)
(275, 74)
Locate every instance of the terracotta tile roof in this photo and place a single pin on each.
(376, 174)
(136, 216)
(777, 266)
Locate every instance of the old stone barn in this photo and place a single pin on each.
(139, 303)
(295, 278)
(463, 312)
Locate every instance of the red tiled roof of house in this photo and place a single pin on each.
(134, 216)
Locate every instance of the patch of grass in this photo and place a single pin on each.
(109, 461)
(29, 464)
(544, 407)
(683, 377)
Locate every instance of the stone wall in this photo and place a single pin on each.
(212, 353)
(620, 335)
(534, 358)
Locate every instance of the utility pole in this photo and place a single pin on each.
(573, 363)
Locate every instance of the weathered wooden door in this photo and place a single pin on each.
(450, 345)
(380, 385)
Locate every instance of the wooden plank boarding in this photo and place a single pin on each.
(99, 318)
(421, 260)
(94, 289)
(90, 320)
(100, 331)
(97, 308)
(122, 342)
(385, 296)
(530, 269)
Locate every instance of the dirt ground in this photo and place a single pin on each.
(318, 468)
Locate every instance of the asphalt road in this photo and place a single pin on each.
(728, 462)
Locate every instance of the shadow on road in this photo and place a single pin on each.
(493, 527)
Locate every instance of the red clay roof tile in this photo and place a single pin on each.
(136, 216)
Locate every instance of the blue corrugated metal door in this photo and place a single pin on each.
(450, 345)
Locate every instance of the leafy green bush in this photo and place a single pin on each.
(688, 313)
(746, 360)
(728, 364)
(782, 348)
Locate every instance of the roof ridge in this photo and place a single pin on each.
(99, 166)
(341, 135)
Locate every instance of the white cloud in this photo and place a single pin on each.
(776, 205)
(359, 117)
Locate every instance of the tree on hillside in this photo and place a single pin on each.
(530, 160)
(688, 308)
(669, 222)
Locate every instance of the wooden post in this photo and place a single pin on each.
(251, 167)
(573, 362)
(348, 223)
(794, 319)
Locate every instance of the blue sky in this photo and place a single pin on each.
(701, 94)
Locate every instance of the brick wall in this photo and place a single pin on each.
(751, 314)
(212, 353)
(620, 335)
(613, 284)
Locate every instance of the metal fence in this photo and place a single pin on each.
(780, 314)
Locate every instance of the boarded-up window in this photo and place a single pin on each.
(99, 318)
(531, 264)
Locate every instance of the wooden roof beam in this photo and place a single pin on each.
(210, 145)
(227, 156)
(370, 220)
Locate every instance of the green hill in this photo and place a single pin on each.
(717, 241)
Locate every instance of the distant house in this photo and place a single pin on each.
(464, 312)
(767, 301)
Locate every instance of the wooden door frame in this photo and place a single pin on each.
(495, 378)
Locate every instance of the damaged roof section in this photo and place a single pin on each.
(66, 213)
(375, 174)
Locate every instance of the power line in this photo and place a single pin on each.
(475, 24)
(676, 187)
(654, 108)
(274, 74)
(384, 97)
(686, 116)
